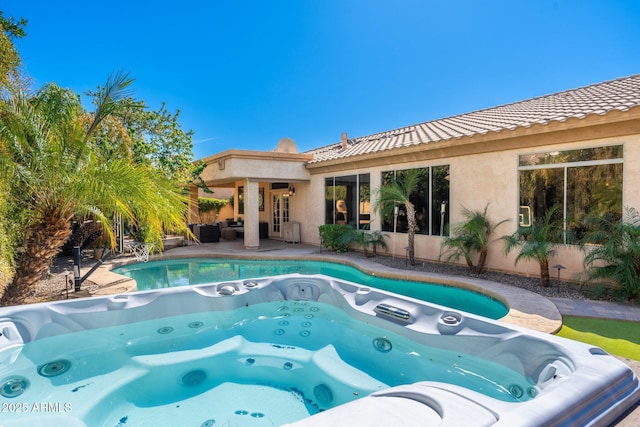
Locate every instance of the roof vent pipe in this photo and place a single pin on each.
(345, 137)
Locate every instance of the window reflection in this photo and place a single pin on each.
(347, 200)
(431, 201)
(580, 183)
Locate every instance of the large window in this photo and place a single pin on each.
(347, 200)
(578, 183)
(431, 201)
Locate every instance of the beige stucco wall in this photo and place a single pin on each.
(631, 196)
(483, 170)
(488, 179)
(476, 180)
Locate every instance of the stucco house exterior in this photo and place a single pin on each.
(578, 150)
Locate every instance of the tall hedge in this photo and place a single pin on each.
(208, 208)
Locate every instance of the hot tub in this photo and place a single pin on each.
(299, 350)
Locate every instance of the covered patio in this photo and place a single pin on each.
(261, 180)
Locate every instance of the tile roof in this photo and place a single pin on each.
(620, 94)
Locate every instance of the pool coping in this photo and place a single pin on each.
(526, 309)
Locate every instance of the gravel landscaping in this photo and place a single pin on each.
(558, 289)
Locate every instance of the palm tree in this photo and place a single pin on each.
(537, 242)
(614, 255)
(367, 239)
(397, 193)
(56, 173)
(375, 239)
(469, 237)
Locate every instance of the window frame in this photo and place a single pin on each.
(566, 166)
(353, 200)
(437, 220)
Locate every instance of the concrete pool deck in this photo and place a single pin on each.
(527, 309)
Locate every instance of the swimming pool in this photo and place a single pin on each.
(195, 271)
(293, 350)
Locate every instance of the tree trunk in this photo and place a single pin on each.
(482, 260)
(544, 273)
(411, 232)
(43, 244)
(469, 261)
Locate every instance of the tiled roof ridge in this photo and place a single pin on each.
(535, 98)
(580, 102)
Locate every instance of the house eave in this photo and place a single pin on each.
(228, 167)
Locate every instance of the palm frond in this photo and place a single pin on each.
(107, 97)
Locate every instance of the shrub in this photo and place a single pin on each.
(208, 208)
(614, 256)
(366, 240)
(336, 236)
(538, 242)
(470, 237)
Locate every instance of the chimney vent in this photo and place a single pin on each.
(345, 137)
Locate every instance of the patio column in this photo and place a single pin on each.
(251, 215)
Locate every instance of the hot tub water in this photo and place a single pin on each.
(300, 350)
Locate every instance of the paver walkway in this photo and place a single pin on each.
(597, 309)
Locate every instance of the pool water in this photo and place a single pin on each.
(269, 363)
(196, 271)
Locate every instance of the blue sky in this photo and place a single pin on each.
(247, 73)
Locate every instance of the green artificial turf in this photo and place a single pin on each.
(617, 337)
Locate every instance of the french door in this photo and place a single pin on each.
(279, 212)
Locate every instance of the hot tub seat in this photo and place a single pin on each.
(534, 379)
